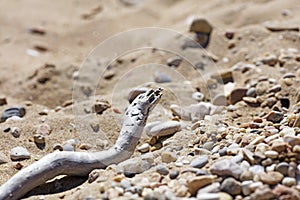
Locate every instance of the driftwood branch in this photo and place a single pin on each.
(82, 163)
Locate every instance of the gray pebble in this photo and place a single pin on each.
(135, 190)
(231, 186)
(11, 112)
(226, 167)
(136, 165)
(166, 128)
(208, 145)
(3, 159)
(173, 174)
(199, 162)
(198, 96)
(174, 61)
(283, 168)
(68, 147)
(274, 116)
(256, 169)
(19, 153)
(125, 184)
(168, 157)
(160, 77)
(162, 169)
(251, 92)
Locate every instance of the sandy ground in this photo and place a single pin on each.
(71, 30)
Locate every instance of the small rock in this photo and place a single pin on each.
(237, 95)
(162, 169)
(136, 165)
(144, 148)
(271, 154)
(93, 175)
(125, 184)
(39, 139)
(212, 188)
(174, 61)
(11, 112)
(229, 35)
(85, 146)
(173, 174)
(275, 89)
(135, 92)
(43, 129)
(198, 96)
(68, 147)
(195, 183)
(289, 181)
(291, 140)
(274, 116)
(58, 146)
(160, 77)
(246, 187)
(168, 157)
(225, 167)
(231, 186)
(219, 100)
(277, 26)
(2, 101)
(270, 60)
(270, 178)
(199, 162)
(203, 30)
(15, 131)
(19, 153)
(256, 169)
(100, 106)
(262, 193)
(287, 193)
(251, 92)
(3, 159)
(166, 128)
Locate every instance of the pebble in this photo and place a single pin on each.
(125, 184)
(160, 77)
(144, 148)
(195, 183)
(289, 75)
(135, 92)
(11, 112)
(15, 131)
(173, 174)
(100, 106)
(199, 162)
(270, 178)
(162, 169)
(19, 153)
(289, 181)
(256, 169)
(136, 165)
(212, 188)
(166, 128)
(237, 95)
(3, 159)
(43, 129)
(291, 140)
(214, 196)
(168, 157)
(39, 139)
(68, 147)
(57, 146)
(274, 116)
(219, 100)
(271, 154)
(85, 146)
(275, 89)
(198, 96)
(282, 168)
(246, 187)
(231, 186)
(93, 175)
(2, 101)
(225, 167)
(270, 60)
(174, 61)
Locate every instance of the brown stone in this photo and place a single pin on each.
(237, 95)
(270, 178)
(194, 184)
